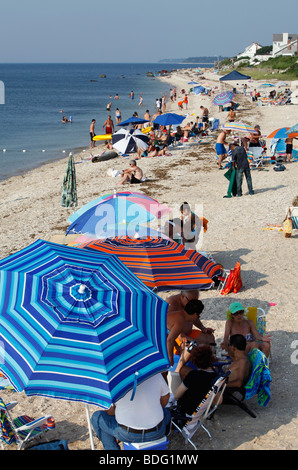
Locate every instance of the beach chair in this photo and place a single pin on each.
(294, 215)
(255, 157)
(188, 425)
(257, 384)
(21, 430)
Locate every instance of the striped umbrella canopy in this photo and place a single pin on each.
(77, 325)
(161, 264)
(128, 141)
(281, 133)
(223, 98)
(69, 187)
(120, 208)
(239, 127)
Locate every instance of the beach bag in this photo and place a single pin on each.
(288, 225)
(279, 167)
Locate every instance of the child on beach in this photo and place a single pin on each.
(236, 324)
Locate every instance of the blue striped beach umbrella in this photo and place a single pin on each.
(77, 325)
(223, 98)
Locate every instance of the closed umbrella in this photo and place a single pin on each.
(161, 264)
(77, 325)
(223, 98)
(69, 187)
(127, 141)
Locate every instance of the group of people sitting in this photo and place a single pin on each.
(147, 417)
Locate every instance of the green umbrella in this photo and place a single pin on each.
(69, 188)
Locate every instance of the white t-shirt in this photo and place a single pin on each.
(145, 410)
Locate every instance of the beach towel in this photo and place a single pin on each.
(234, 281)
(259, 381)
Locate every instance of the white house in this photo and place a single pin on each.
(249, 51)
(284, 44)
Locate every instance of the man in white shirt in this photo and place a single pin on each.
(142, 419)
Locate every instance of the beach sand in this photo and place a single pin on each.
(30, 209)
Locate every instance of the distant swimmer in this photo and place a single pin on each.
(118, 116)
(109, 105)
(64, 119)
(116, 96)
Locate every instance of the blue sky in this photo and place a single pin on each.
(137, 31)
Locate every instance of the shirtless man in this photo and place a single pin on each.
(180, 323)
(220, 147)
(133, 174)
(109, 125)
(240, 367)
(92, 133)
(289, 147)
(205, 116)
(231, 115)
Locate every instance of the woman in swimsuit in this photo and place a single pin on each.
(236, 324)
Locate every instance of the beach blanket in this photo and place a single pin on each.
(260, 379)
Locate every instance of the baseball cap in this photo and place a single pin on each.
(235, 307)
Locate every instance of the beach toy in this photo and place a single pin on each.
(24, 150)
(103, 137)
(4, 150)
(43, 150)
(63, 151)
(272, 304)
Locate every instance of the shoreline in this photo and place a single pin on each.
(30, 209)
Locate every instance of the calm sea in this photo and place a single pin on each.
(31, 131)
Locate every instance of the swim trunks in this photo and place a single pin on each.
(220, 149)
(91, 136)
(108, 130)
(134, 180)
(289, 148)
(205, 119)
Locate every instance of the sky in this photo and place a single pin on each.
(137, 30)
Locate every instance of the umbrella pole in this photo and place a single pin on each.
(89, 427)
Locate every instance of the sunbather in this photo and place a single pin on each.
(237, 324)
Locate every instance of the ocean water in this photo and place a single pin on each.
(31, 131)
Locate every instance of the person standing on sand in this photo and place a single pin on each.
(220, 147)
(92, 133)
(240, 162)
(205, 116)
(109, 125)
(289, 147)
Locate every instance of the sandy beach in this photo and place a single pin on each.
(30, 209)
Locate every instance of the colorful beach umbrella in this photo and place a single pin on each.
(69, 187)
(169, 119)
(120, 208)
(132, 120)
(293, 131)
(77, 325)
(134, 196)
(161, 264)
(239, 127)
(281, 133)
(127, 141)
(223, 98)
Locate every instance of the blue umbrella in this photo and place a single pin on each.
(192, 83)
(77, 325)
(293, 129)
(133, 120)
(115, 210)
(169, 119)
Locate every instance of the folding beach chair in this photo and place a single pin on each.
(257, 384)
(188, 425)
(20, 430)
(255, 157)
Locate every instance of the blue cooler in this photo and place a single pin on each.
(158, 444)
